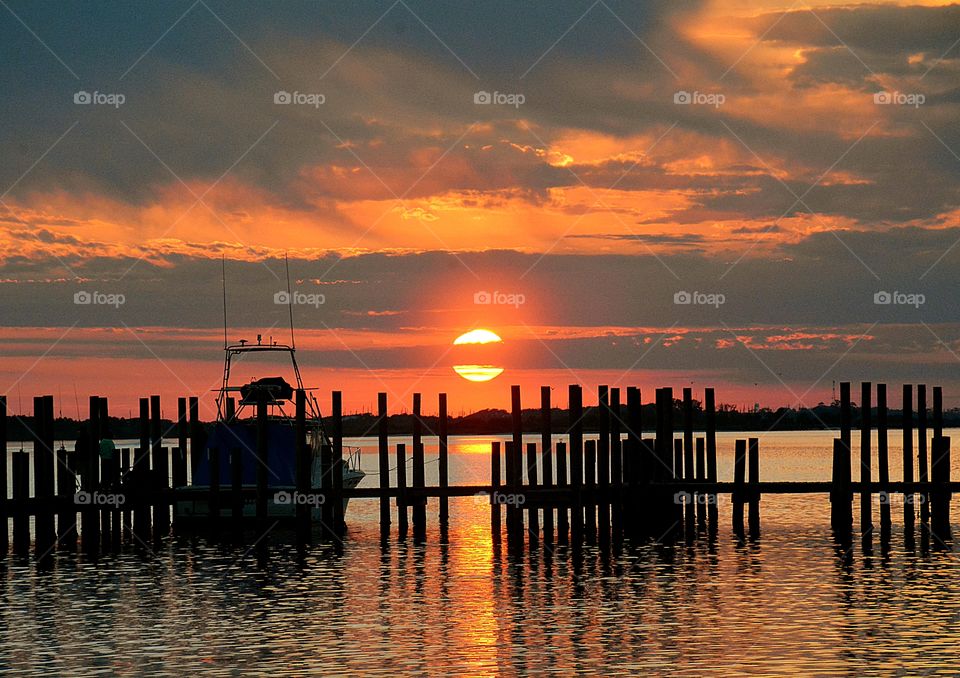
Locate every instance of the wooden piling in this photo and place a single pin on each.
(196, 432)
(866, 447)
(326, 489)
(909, 514)
(680, 507)
(546, 458)
(754, 479)
(937, 411)
(940, 471)
(590, 484)
(710, 421)
(180, 452)
(688, 453)
(575, 440)
(302, 466)
(4, 496)
(841, 495)
(336, 514)
(923, 470)
(678, 459)
(700, 499)
(42, 434)
(616, 453)
(845, 417)
(563, 521)
(263, 468)
(738, 495)
(419, 474)
(443, 461)
(161, 510)
(602, 492)
(89, 515)
(533, 517)
(383, 462)
(21, 492)
(633, 463)
(402, 525)
(495, 483)
(141, 465)
(514, 453)
(66, 487)
(883, 464)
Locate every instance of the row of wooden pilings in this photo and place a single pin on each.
(586, 490)
(575, 491)
(84, 481)
(931, 491)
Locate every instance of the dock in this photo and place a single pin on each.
(627, 485)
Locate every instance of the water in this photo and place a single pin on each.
(789, 603)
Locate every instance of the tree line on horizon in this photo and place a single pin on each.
(497, 421)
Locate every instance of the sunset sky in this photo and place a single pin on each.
(777, 164)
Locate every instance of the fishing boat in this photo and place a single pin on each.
(236, 430)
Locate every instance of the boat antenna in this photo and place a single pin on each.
(223, 280)
(286, 260)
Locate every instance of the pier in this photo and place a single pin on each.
(626, 484)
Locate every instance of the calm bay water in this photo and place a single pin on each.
(788, 603)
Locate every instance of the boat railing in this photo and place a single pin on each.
(351, 455)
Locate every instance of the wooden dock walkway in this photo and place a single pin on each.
(623, 485)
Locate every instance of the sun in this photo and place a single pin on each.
(476, 372)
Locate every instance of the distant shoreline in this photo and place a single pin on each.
(499, 422)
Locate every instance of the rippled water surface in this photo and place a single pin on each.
(791, 602)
